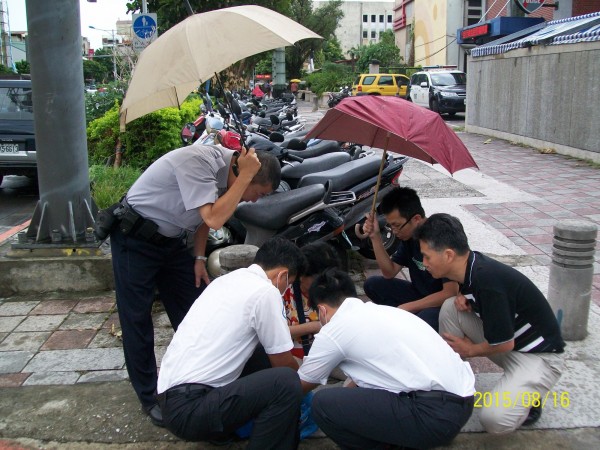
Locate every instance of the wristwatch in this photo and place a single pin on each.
(201, 258)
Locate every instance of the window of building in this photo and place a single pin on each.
(381, 18)
(365, 18)
(373, 18)
(365, 34)
(390, 18)
(373, 34)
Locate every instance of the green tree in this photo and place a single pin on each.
(93, 70)
(104, 57)
(23, 66)
(332, 50)
(323, 21)
(172, 12)
(385, 51)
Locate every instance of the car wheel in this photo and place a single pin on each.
(435, 107)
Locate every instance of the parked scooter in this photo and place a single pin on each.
(324, 206)
(336, 97)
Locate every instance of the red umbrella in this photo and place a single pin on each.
(397, 125)
(392, 123)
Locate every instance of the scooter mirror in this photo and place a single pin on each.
(187, 133)
(289, 116)
(262, 114)
(296, 144)
(274, 119)
(276, 137)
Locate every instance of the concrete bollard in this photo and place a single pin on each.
(236, 257)
(571, 272)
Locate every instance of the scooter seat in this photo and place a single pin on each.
(296, 170)
(318, 149)
(346, 175)
(272, 212)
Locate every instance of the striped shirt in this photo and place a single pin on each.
(510, 306)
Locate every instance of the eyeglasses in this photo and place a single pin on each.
(399, 227)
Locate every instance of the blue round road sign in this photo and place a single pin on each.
(144, 27)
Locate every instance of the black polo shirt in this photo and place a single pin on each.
(510, 306)
(409, 255)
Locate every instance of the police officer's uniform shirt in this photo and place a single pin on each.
(172, 189)
(385, 348)
(409, 255)
(510, 306)
(222, 329)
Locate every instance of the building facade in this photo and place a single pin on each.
(363, 22)
(426, 30)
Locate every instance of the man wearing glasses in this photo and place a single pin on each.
(423, 295)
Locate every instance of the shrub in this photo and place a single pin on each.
(109, 184)
(146, 138)
(329, 78)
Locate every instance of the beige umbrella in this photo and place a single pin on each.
(195, 49)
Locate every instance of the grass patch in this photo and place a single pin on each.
(109, 184)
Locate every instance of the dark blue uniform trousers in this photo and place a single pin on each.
(395, 292)
(139, 268)
(270, 397)
(360, 418)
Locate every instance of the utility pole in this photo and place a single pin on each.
(64, 215)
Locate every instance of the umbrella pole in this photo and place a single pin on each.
(357, 229)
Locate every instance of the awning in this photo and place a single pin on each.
(571, 30)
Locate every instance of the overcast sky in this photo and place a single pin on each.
(101, 14)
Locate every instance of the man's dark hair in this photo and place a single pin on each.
(319, 256)
(442, 231)
(405, 200)
(331, 287)
(279, 252)
(270, 170)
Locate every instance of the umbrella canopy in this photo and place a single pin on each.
(397, 125)
(295, 80)
(195, 49)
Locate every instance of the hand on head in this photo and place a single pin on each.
(248, 163)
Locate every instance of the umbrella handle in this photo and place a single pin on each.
(358, 232)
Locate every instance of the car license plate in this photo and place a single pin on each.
(9, 148)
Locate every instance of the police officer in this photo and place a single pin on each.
(191, 189)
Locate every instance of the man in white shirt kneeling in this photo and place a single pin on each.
(206, 386)
(411, 389)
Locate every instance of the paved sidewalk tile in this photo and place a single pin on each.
(8, 324)
(105, 339)
(13, 362)
(26, 341)
(95, 304)
(2, 336)
(90, 321)
(73, 360)
(54, 307)
(17, 308)
(41, 323)
(113, 319)
(69, 339)
(13, 380)
(103, 375)
(49, 378)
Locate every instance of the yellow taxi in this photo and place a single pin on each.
(380, 84)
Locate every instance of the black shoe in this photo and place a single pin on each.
(155, 415)
(534, 415)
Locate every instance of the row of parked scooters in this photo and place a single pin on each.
(327, 186)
